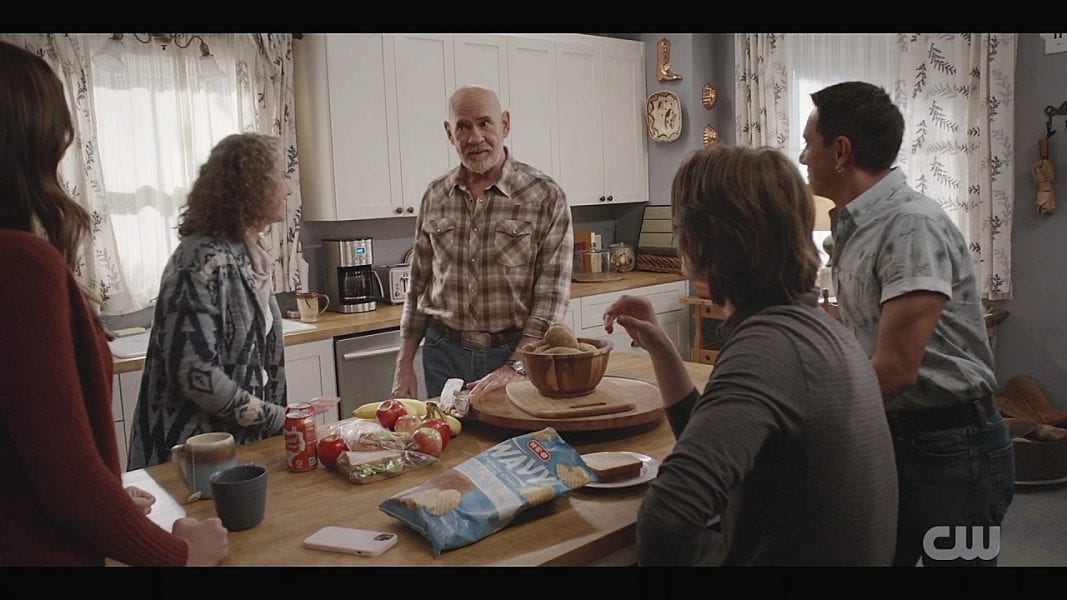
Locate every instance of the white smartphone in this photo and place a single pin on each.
(351, 541)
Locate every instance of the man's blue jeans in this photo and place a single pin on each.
(951, 477)
(444, 358)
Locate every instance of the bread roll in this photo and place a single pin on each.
(561, 336)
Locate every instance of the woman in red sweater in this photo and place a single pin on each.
(62, 500)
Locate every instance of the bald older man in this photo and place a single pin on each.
(492, 262)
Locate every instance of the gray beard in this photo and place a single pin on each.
(479, 167)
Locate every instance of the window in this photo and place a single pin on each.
(156, 122)
(815, 61)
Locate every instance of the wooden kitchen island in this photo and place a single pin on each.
(576, 529)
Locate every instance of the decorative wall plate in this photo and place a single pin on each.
(708, 96)
(711, 136)
(664, 112)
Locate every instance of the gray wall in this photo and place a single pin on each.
(1033, 339)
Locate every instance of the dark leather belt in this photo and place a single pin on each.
(478, 340)
(952, 417)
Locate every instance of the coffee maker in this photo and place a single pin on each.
(349, 275)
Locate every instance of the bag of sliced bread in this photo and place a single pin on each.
(483, 494)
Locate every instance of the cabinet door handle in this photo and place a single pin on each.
(411, 209)
(610, 198)
(602, 198)
(399, 210)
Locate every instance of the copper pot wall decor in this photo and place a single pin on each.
(708, 96)
(711, 136)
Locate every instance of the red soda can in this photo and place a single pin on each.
(301, 442)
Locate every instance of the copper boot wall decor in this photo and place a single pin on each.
(663, 68)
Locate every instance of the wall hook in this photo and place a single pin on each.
(1052, 111)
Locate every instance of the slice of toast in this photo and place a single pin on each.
(613, 467)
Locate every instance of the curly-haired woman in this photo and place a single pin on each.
(215, 359)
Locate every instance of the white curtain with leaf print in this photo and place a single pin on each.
(141, 136)
(271, 91)
(97, 266)
(761, 90)
(957, 95)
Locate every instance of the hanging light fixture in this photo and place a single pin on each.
(109, 57)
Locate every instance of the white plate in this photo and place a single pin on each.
(649, 469)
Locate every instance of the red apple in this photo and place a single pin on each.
(436, 419)
(330, 447)
(407, 424)
(428, 440)
(389, 411)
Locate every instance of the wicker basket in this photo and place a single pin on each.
(659, 264)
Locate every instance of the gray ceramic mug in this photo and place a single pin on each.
(240, 496)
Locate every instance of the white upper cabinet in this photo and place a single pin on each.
(481, 60)
(344, 104)
(371, 110)
(622, 63)
(425, 78)
(581, 128)
(603, 157)
(532, 104)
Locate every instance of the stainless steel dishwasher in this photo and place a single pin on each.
(365, 365)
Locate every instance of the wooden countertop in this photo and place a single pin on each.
(574, 529)
(387, 316)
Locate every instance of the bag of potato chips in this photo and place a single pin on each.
(481, 495)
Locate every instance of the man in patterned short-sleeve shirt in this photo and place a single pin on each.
(906, 288)
(492, 260)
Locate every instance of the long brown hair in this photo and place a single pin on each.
(35, 131)
(743, 219)
(233, 190)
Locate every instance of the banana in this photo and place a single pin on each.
(415, 407)
(367, 411)
(454, 424)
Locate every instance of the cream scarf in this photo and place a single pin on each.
(259, 276)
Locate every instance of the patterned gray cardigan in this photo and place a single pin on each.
(207, 354)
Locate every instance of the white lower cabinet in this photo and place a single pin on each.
(310, 373)
(124, 390)
(570, 318)
(666, 301)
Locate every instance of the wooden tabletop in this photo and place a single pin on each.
(574, 529)
(387, 316)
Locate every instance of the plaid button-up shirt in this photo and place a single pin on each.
(493, 263)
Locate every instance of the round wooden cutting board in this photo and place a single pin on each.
(496, 408)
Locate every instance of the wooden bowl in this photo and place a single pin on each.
(567, 375)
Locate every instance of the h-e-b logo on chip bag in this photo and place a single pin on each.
(539, 450)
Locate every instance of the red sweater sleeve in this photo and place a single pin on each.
(56, 393)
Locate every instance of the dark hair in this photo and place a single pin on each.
(234, 188)
(743, 219)
(35, 131)
(866, 115)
